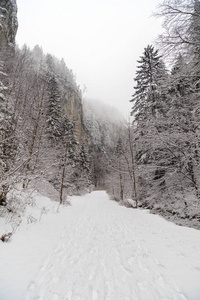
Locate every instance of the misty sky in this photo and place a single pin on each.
(100, 40)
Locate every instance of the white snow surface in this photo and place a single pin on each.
(96, 249)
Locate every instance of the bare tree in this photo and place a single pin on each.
(181, 26)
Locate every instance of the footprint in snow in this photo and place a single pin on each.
(31, 286)
(131, 260)
(92, 275)
(197, 268)
(55, 297)
(94, 295)
(42, 268)
(181, 256)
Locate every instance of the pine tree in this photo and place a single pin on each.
(150, 71)
(151, 103)
(53, 112)
(119, 157)
(68, 152)
(81, 175)
(84, 158)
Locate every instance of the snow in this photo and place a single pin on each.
(96, 249)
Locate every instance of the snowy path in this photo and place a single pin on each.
(109, 252)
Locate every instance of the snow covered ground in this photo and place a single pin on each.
(98, 250)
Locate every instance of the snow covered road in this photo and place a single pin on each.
(108, 252)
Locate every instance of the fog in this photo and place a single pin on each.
(99, 40)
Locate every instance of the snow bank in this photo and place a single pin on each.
(36, 224)
(182, 210)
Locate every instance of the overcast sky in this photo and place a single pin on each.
(100, 40)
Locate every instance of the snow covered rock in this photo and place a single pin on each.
(8, 22)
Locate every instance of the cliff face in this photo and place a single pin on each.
(8, 23)
(73, 109)
(8, 29)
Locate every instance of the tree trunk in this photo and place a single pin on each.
(133, 167)
(63, 174)
(191, 172)
(121, 184)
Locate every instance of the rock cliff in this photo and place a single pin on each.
(8, 23)
(73, 109)
(8, 29)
